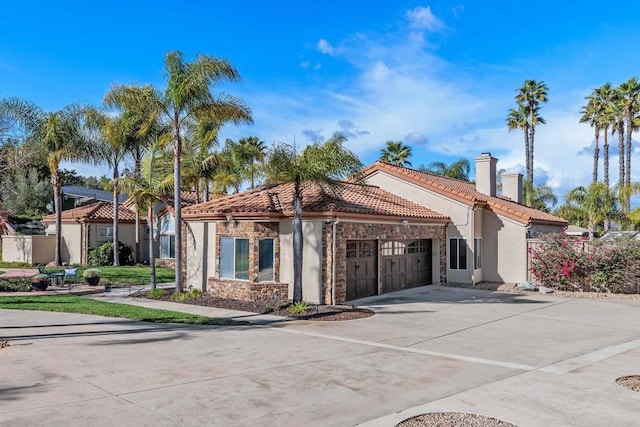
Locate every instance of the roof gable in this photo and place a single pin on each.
(466, 193)
(95, 212)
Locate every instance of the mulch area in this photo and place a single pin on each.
(453, 419)
(327, 313)
(512, 288)
(632, 382)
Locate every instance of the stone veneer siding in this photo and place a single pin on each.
(367, 231)
(249, 289)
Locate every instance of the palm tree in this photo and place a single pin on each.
(530, 95)
(116, 134)
(604, 97)
(459, 169)
(539, 197)
(61, 135)
(518, 118)
(616, 114)
(187, 96)
(629, 92)
(253, 153)
(325, 164)
(597, 201)
(152, 185)
(396, 153)
(592, 114)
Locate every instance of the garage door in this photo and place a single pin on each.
(405, 264)
(362, 268)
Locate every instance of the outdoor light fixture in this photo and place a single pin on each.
(405, 222)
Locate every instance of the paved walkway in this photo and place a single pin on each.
(529, 360)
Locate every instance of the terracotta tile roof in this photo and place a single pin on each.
(277, 201)
(95, 212)
(465, 192)
(188, 198)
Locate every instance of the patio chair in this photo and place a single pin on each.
(69, 273)
(43, 270)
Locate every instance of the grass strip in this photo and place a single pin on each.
(76, 304)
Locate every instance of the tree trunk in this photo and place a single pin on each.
(526, 150)
(206, 191)
(152, 258)
(592, 226)
(621, 179)
(57, 203)
(596, 152)
(627, 173)
(116, 252)
(606, 156)
(532, 134)
(138, 168)
(177, 203)
(297, 244)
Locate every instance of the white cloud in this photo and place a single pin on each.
(423, 18)
(326, 48)
(457, 10)
(305, 64)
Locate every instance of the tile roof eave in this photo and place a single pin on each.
(257, 216)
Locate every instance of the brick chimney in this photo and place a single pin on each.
(512, 186)
(486, 174)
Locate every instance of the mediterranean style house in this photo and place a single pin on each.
(405, 228)
(359, 241)
(91, 225)
(488, 233)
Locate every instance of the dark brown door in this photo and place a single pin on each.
(362, 268)
(406, 264)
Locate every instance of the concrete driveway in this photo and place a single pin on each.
(533, 361)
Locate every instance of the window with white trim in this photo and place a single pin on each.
(477, 253)
(168, 239)
(106, 233)
(457, 254)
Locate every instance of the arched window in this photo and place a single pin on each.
(168, 238)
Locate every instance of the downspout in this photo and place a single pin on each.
(473, 243)
(333, 260)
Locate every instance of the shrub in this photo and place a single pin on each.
(103, 254)
(185, 296)
(601, 266)
(155, 293)
(90, 273)
(298, 308)
(15, 284)
(39, 277)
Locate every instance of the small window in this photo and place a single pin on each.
(477, 254)
(106, 232)
(457, 254)
(265, 260)
(234, 258)
(168, 246)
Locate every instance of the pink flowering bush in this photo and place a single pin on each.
(601, 266)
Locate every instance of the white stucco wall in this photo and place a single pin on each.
(31, 249)
(504, 244)
(126, 235)
(311, 258)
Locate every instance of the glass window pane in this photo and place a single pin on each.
(477, 249)
(172, 246)
(265, 260)
(242, 259)
(453, 254)
(164, 247)
(168, 226)
(462, 256)
(226, 258)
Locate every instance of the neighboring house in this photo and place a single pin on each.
(631, 235)
(576, 231)
(358, 241)
(74, 196)
(487, 239)
(88, 226)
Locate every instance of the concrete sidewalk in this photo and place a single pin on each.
(529, 360)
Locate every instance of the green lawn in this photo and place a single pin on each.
(76, 304)
(128, 274)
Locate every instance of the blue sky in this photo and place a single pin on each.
(440, 75)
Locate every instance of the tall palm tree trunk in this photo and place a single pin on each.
(621, 179)
(177, 203)
(116, 252)
(138, 167)
(152, 258)
(297, 244)
(526, 149)
(596, 153)
(57, 203)
(532, 132)
(605, 156)
(627, 173)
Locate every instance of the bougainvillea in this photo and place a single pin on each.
(602, 266)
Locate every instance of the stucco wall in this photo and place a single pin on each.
(505, 249)
(312, 260)
(32, 249)
(201, 251)
(126, 235)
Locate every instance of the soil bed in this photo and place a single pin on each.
(315, 312)
(512, 288)
(451, 419)
(632, 382)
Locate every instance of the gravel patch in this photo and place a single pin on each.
(4, 344)
(326, 313)
(632, 382)
(512, 288)
(453, 419)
